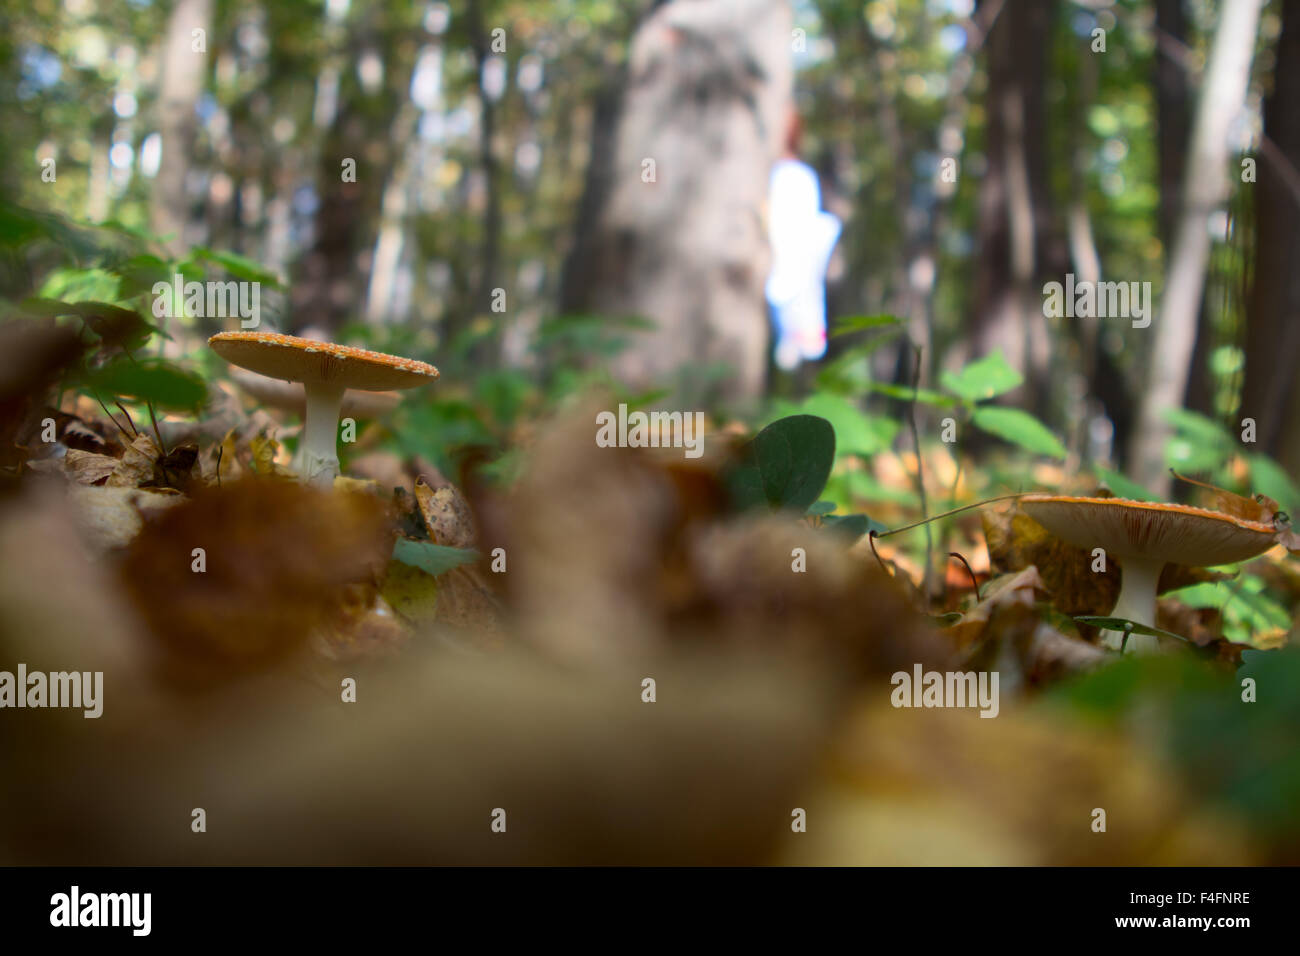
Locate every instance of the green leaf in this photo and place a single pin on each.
(856, 432)
(1199, 443)
(1267, 477)
(432, 558)
(1205, 594)
(115, 326)
(1124, 487)
(48, 308)
(856, 323)
(855, 525)
(786, 464)
(1246, 610)
(905, 393)
(21, 227)
(1123, 624)
(141, 273)
(849, 372)
(148, 380)
(822, 508)
(1197, 426)
(862, 485)
(239, 266)
(983, 378)
(1020, 428)
(81, 285)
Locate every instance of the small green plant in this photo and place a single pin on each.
(786, 466)
(100, 281)
(1202, 446)
(967, 392)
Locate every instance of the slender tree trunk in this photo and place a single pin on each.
(886, 125)
(394, 221)
(1173, 129)
(1013, 199)
(579, 273)
(1271, 394)
(1173, 111)
(183, 72)
(330, 285)
(1223, 91)
(490, 249)
(327, 282)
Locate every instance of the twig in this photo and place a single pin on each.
(954, 511)
(920, 474)
(122, 408)
(162, 448)
(157, 434)
(952, 500)
(975, 583)
(110, 416)
(871, 540)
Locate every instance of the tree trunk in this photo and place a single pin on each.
(330, 283)
(1173, 129)
(680, 238)
(1173, 111)
(326, 285)
(1222, 93)
(490, 250)
(181, 82)
(1271, 394)
(1013, 198)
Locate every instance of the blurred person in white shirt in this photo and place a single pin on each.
(802, 236)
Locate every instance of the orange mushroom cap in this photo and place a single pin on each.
(1172, 533)
(295, 359)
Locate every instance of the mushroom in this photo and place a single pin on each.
(1143, 537)
(326, 371)
(292, 397)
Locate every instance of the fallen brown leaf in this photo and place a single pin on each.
(88, 468)
(447, 515)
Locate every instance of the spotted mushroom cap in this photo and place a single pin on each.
(1177, 534)
(294, 359)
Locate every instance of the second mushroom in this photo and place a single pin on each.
(1143, 537)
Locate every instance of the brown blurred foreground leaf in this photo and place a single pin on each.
(948, 788)
(278, 558)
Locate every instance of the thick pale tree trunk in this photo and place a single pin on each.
(1272, 387)
(679, 236)
(1222, 94)
(183, 72)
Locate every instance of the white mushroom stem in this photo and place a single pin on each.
(1137, 602)
(318, 460)
(291, 396)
